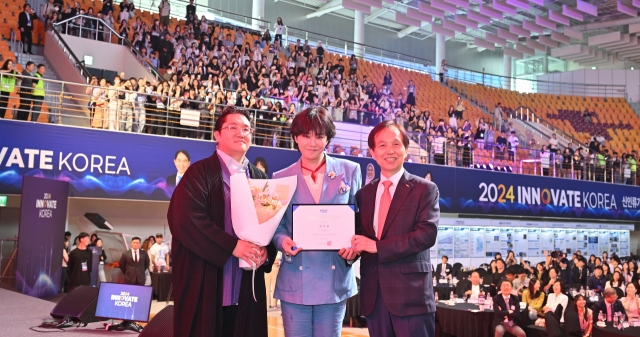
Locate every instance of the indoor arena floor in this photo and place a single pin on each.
(20, 312)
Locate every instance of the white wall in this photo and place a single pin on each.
(629, 78)
(137, 218)
(108, 56)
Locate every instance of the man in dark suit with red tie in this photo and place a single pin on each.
(25, 24)
(134, 263)
(396, 225)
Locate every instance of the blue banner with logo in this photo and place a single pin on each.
(43, 216)
(107, 164)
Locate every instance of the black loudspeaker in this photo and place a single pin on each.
(79, 305)
(161, 325)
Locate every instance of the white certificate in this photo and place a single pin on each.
(323, 227)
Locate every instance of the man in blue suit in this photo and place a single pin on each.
(396, 225)
(313, 286)
(609, 305)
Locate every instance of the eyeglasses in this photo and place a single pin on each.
(234, 129)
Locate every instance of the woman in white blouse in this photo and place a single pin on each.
(556, 298)
(617, 281)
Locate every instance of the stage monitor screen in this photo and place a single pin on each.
(124, 301)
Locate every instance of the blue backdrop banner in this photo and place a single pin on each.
(106, 164)
(43, 216)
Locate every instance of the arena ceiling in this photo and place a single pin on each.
(592, 32)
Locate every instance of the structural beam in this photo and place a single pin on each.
(375, 14)
(331, 6)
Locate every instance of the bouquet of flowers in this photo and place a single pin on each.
(257, 206)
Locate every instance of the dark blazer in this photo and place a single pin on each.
(601, 306)
(134, 272)
(401, 267)
(501, 310)
(171, 180)
(200, 247)
(466, 286)
(448, 269)
(596, 284)
(23, 22)
(579, 277)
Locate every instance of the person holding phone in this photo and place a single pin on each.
(25, 24)
(313, 286)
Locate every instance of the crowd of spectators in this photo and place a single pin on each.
(206, 64)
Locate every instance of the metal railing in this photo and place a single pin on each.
(79, 65)
(523, 85)
(212, 14)
(524, 113)
(118, 109)
(70, 27)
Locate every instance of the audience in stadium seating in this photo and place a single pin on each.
(208, 64)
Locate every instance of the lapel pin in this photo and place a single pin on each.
(407, 185)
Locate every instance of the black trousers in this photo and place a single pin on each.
(25, 107)
(26, 39)
(229, 314)
(65, 280)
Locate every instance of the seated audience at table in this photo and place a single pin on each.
(551, 279)
(616, 282)
(444, 269)
(580, 273)
(534, 298)
(609, 305)
(521, 281)
(507, 312)
(631, 302)
(498, 273)
(585, 315)
(473, 288)
(555, 299)
(565, 272)
(596, 282)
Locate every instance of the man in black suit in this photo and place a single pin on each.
(134, 263)
(444, 269)
(396, 225)
(25, 24)
(609, 305)
(182, 161)
(205, 251)
(580, 273)
(507, 312)
(471, 288)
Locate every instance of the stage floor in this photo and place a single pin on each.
(20, 312)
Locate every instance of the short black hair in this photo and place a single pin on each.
(184, 152)
(598, 267)
(67, 233)
(40, 65)
(316, 119)
(263, 162)
(82, 235)
(135, 238)
(230, 110)
(29, 63)
(445, 257)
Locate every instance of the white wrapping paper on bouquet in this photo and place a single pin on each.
(257, 206)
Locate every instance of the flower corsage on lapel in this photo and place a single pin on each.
(332, 175)
(344, 187)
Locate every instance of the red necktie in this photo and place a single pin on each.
(314, 173)
(383, 209)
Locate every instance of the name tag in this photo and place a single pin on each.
(84, 266)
